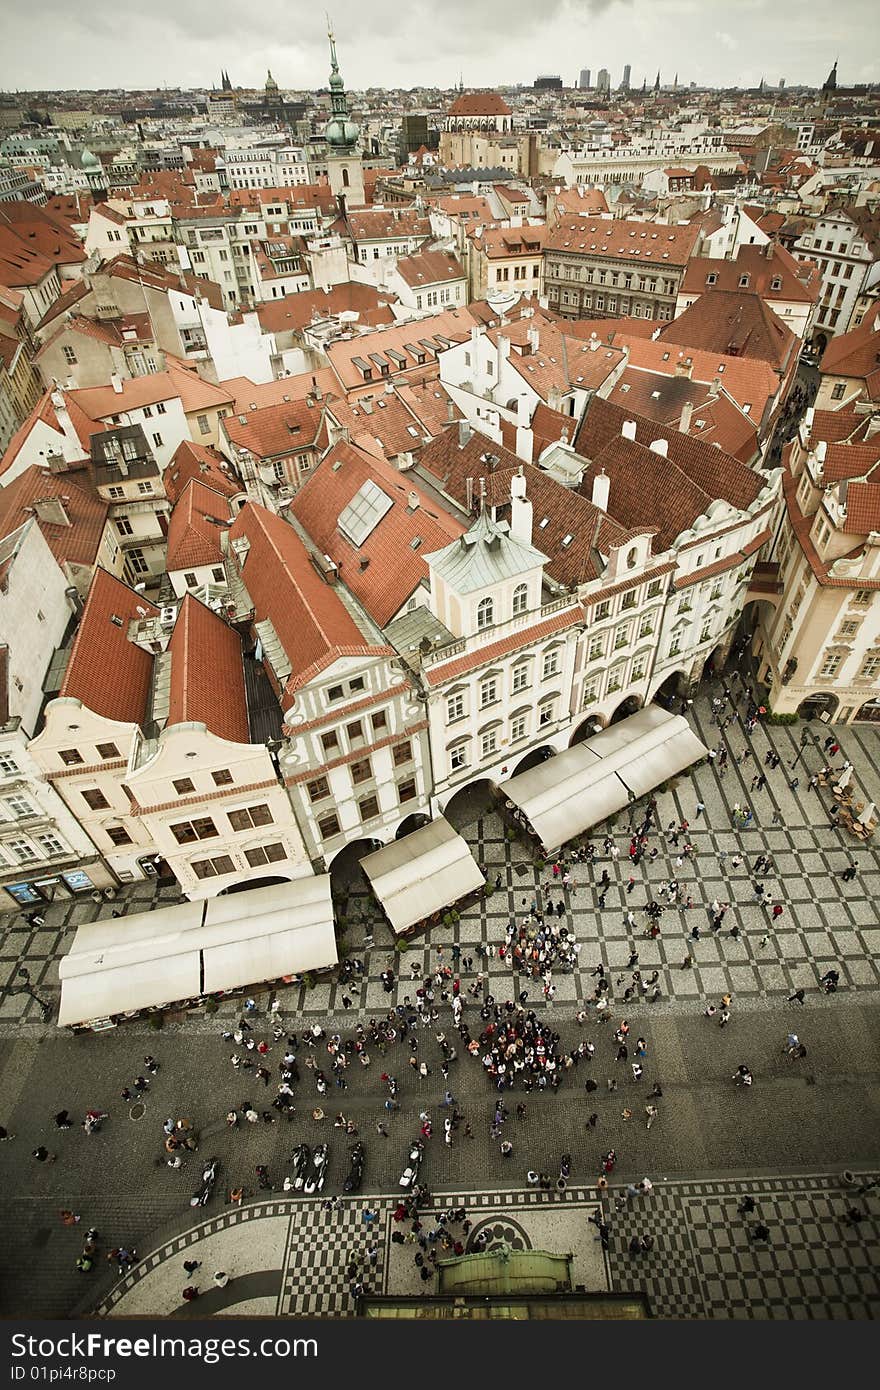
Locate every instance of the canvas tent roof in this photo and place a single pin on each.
(565, 795)
(421, 873)
(121, 965)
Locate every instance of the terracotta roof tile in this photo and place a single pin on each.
(430, 268)
(106, 672)
(294, 312)
(250, 395)
(638, 243)
(737, 323)
(204, 464)
(76, 544)
(479, 104)
(207, 673)
(388, 567)
(193, 540)
(276, 429)
(313, 624)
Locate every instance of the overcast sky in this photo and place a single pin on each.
(129, 43)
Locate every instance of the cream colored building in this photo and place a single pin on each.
(819, 649)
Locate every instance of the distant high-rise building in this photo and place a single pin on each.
(624, 85)
(782, 84)
(547, 83)
(585, 80)
(603, 83)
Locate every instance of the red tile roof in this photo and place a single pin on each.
(106, 672)
(430, 268)
(737, 323)
(294, 312)
(207, 673)
(856, 355)
(250, 395)
(378, 224)
(454, 324)
(312, 623)
(862, 509)
(193, 540)
(76, 544)
(748, 380)
(387, 568)
(638, 243)
(276, 429)
(197, 461)
(479, 104)
(100, 402)
(801, 280)
(715, 417)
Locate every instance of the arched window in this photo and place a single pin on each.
(345, 179)
(520, 599)
(484, 614)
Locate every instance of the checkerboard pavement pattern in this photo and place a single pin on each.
(702, 1265)
(825, 921)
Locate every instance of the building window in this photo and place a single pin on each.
(107, 751)
(406, 791)
(188, 831)
(520, 599)
(520, 678)
(488, 743)
(95, 799)
(20, 807)
(70, 757)
(336, 692)
(118, 835)
(831, 665)
(848, 630)
(379, 721)
(484, 614)
(488, 692)
(368, 808)
(402, 753)
(601, 611)
(870, 667)
(123, 526)
(222, 777)
(250, 816)
(265, 854)
(69, 356)
(145, 489)
(458, 757)
(675, 646)
(361, 771)
(355, 733)
(838, 391)
(551, 664)
(545, 715)
(628, 600)
(594, 651)
(646, 626)
(861, 597)
(8, 766)
(330, 741)
(518, 728)
(328, 826)
(183, 785)
(454, 708)
(212, 868)
(22, 850)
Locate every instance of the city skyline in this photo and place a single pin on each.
(188, 46)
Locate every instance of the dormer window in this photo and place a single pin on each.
(744, 282)
(776, 282)
(485, 611)
(712, 279)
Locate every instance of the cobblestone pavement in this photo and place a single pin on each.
(289, 1257)
(825, 921)
(817, 1116)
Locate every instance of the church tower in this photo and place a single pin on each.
(345, 170)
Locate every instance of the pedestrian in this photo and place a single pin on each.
(778, 910)
(190, 1293)
(651, 1113)
(797, 996)
(42, 1154)
(63, 1120)
(220, 1278)
(700, 809)
(68, 1218)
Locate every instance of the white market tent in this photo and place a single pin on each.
(567, 794)
(422, 873)
(121, 965)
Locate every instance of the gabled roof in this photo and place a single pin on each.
(312, 623)
(715, 417)
(276, 429)
(157, 277)
(547, 359)
(737, 323)
(648, 489)
(76, 544)
(294, 312)
(479, 104)
(106, 672)
(207, 673)
(251, 395)
(856, 355)
(639, 243)
(100, 402)
(377, 224)
(202, 463)
(452, 324)
(193, 539)
(77, 291)
(801, 281)
(430, 268)
(389, 565)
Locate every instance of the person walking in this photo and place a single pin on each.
(220, 1278)
(796, 997)
(651, 1113)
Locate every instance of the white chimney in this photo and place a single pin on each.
(687, 411)
(412, 501)
(366, 405)
(71, 448)
(602, 488)
(520, 510)
(116, 382)
(464, 433)
(628, 429)
(809, 416)
(660, 446)
(821, 451)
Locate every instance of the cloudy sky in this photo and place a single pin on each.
(127, 43)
